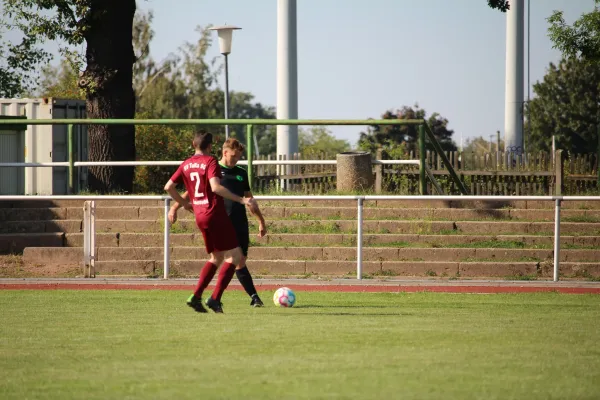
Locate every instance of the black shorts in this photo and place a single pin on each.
(243, 235)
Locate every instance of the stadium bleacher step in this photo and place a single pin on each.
(400, 238)
(75, 254)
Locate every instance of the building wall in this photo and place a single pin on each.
(48, 143)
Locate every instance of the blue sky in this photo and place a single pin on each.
(359, 58)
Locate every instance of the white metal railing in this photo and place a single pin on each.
(90, 205)
(89, 238)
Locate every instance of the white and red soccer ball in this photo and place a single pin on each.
(284, 297)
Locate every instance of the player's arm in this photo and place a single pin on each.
(215, 184)
(170, 188)
(176, 206)
(262, 226)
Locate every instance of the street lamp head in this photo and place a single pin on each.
(225, 33)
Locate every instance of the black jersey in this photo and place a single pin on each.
(236, 180)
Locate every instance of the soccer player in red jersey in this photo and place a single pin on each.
(201, 176)
(235, 178)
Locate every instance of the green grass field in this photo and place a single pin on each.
(133, 344)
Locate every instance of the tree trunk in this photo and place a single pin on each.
(108, 81)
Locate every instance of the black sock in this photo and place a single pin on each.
(245, 279)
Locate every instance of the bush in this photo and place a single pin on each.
(163, 143)
(159, 143)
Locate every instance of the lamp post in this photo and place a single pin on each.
(225, 33)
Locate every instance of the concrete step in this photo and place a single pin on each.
(317, 226)
(16, 242)
(36, 214)
(323, 227)
(76, 203)
(69, 255)
(28, 219)
(310, 213)
(322, 240)
(306, 213)
(429, 227)
(371, 269)
(75, 225)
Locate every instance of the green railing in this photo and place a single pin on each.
(424, 130)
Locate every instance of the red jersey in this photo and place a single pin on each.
(195, 173)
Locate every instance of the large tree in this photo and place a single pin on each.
(105, 26)
(567, 105)
(318, 140)
(406, 135)
(580, 40)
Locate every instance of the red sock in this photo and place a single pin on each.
(206, 275)
(225, 274)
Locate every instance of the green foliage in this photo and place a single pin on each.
(185, 86)
(501, 5)
(60, 81)
(266, 139)
(318, 140)
(567, 106)
(142, 35)
(39, 20)
(17, 67)
(582, 39)
(242, 106)
(378, 135)
(481, 145)
(159, 143)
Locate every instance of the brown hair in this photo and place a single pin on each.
(233, 144)
(202, 139)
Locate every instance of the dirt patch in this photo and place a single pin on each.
(12, 266)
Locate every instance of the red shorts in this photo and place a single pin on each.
(218, 232)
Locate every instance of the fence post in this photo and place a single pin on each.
(379, 171)
(558, 172)
(556, 238)
(166, 245)
(249, 141)
(70, 139)
(89, 239)
(86, 239)
(423, 160)
(359, 239)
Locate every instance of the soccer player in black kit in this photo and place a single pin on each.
(235, 179)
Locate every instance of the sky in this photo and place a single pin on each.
(359, 58)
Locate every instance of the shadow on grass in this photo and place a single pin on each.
(327, 306)
(343, 314)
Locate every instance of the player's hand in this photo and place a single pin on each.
(172, 216)
(262, 229)
(188, 206)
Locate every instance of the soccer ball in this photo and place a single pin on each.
(284, 297)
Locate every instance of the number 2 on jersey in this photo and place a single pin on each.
(195, 177)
